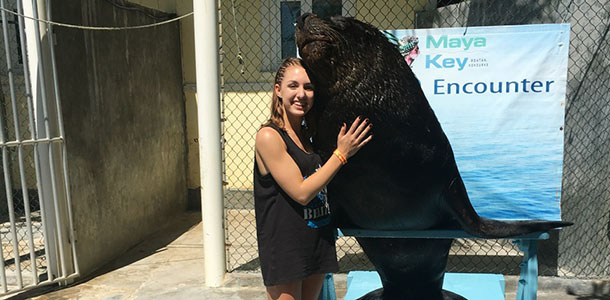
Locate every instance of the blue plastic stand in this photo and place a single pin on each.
(473, 286)
(465, 284)
(328, 289)
(528, 280)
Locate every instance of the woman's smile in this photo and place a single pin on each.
(300, 104)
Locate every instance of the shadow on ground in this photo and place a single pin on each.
(154, 243)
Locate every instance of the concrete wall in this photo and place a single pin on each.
(124, 119)
(168, 6)
(187, 37)
(187, 40)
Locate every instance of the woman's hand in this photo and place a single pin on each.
(351, 140)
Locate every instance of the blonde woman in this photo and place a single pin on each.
(296, 244)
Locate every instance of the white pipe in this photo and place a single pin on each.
(34, 59)
(208, 114)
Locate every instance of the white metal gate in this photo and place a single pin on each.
(36, 231)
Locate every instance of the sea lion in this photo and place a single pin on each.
(406, 177)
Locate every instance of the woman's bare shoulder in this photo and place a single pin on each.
(267, 136)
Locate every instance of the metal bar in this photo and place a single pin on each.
(48, 134)
(58, 224)
(50, 37)
(26, 73)
(2, 273)
(33, 131)
(28, 217)
(42, 210)
(24, 190)
(11, 80)
(69, 203)
(4, 154)
(42, 283)
(5, 170)
(42, 83)
(208, 74)
(7, 177)
(60, 124)
(32, 142)
(11, 213)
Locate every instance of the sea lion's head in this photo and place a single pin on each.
(341, 48)
(355, 70)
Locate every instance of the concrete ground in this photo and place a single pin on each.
(170, 265)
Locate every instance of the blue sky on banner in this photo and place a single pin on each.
(499, 94)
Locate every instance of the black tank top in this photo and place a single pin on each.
(294, 241)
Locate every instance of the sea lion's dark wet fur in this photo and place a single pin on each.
(406, 177)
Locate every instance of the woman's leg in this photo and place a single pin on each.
(287, 291)
(312, 286)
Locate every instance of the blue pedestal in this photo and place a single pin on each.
(473, 286)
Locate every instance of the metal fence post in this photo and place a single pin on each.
(210, 155)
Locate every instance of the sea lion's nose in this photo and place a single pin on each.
(301, 20)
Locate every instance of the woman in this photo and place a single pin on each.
(296, 245)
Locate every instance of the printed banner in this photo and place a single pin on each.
(499, 94)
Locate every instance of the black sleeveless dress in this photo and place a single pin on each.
(294, 241)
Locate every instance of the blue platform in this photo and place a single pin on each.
(461, 283)
(473, 286)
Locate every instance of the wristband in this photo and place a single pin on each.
(340, 156)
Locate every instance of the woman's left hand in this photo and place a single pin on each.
(351, 140)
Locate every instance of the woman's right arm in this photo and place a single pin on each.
(271, 153)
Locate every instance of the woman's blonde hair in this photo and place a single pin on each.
(277, 111)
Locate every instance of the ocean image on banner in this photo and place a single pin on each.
(499, 94)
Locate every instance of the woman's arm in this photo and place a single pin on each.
(271, 153)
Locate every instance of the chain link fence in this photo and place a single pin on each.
(18, 188)
(256, 35)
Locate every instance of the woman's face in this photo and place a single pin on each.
(296, 91)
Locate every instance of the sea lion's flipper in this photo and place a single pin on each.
(447, 295)
(476, 225)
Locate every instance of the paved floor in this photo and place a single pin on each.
(170, 266)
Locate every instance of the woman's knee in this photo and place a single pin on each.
(312, 286)
(286, 291)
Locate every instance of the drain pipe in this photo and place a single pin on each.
(208, 115)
